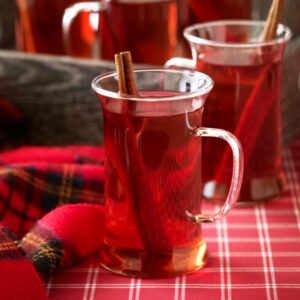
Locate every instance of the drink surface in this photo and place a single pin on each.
(153, 176)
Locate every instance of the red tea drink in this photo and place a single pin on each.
(149, 189)
(235, 85)
(147, 28)
(207, 10)
(39, 28)
(200, 11)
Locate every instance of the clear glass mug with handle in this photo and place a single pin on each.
(246, 100)
(153, 172)
(147, 28)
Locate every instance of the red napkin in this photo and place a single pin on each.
(50, 212)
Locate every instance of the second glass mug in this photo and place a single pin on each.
(153, 172)
(246, 100)
(146, 28)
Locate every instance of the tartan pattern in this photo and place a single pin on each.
(32, 184)
(46, 251)
(30, 190)
(8, 245)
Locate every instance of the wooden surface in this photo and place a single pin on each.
(54, 96)
(59, 107)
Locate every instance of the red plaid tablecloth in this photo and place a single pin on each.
(254, 253)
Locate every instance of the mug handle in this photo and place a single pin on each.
(237, 172)
(72, 12)
(180, 62)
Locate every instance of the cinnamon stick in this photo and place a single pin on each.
(121, 74)
(126, 81)
(148, 230)
(273, 19)
(254, 113)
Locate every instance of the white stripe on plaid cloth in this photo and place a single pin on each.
(254, 254)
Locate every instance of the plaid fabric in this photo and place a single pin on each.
(254, 253)
(47, 251)
(36, 180)
(8, 245)
(33, 181)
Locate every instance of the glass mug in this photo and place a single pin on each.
(246, 100)
(153, 172)
(146, 28)
(39, 30)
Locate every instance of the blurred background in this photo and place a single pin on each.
(35, 25)
(7, 24)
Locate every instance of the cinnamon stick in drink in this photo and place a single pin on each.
(126, 81)
(151, 230)
(273, 19)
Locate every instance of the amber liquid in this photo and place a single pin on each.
(147, 28)
(207, 10)
(153, 176)
(245, 101)
(39, 28)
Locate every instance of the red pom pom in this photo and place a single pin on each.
(81, 225)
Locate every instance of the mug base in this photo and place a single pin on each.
(254, 191)
(142, 264)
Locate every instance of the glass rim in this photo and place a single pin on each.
(283, 37)
(202, 90)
